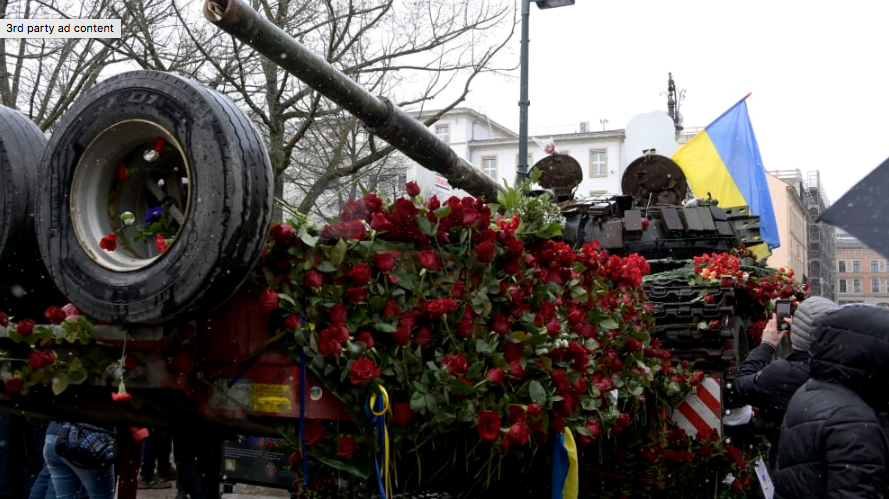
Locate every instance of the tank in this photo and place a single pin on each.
(652, 218)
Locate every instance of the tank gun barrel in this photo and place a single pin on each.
(379, 114)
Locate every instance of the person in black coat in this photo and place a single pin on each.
(769, 384)
(834, 441)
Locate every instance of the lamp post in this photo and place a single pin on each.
(523, 76)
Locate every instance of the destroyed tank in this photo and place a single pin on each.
(652, 218)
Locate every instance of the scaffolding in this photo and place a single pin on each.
(822, 252)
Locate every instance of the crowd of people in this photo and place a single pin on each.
(825, 407)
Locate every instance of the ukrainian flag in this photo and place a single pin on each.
(723, 159)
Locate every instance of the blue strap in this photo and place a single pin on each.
(379, 423)
(302, 416)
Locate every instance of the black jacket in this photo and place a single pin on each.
(768, 385)
(834, 441)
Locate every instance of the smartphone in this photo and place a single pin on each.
(782, 309)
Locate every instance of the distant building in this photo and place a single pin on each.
(787, 191)
(862, 274)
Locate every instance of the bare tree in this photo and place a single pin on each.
(42, 76)
(412, 51)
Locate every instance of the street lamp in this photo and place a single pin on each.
(523, 76)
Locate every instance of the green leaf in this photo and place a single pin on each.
(60, 383)
(461, 388)
(326, 267)
(310, 240)
(588, 404)
(339, 465)
(77, 376)
(418, 401)
(608, 324)
(583, 430)
(425, 225)
(520, 336)
(538, 394)
(443, 211)
(431, 403)
(482, 346)
(338, 252)
(579, 293)
(384, 327)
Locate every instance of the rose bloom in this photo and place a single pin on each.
(366, 338)
(500, 324)
(363, 370)
(358, 294)
(4, 319)
(71, 311)
(109, 242)
(360, 274)
(13, 384)
(402, 336)
(338, 314)
(496, 376)
(291, 323)
(485, 251)
(455, 364)
(413, 190)
(54, 314)
(121, 397)
(423, 337)
(41, 359)
(160, 243)
(314, 431)
(385, 262)
(519, 433)
(282, 233)
(24, 328)
(380, 223)
(429, 260)
(329, 346)
(401, 413)
(488, 425)
(313, 279)
(270, 300)
(345, 446)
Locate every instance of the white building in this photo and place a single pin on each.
(493, 149)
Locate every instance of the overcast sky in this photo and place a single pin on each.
(816, 70)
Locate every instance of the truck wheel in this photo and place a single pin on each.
(21, 147)
(166, 151)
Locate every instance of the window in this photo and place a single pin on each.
(875, 285)
(444, 133)
(599, 163)
(489, 166)
(843, 286)
(856, 285)
(856, 265)
(874, 265)
(842, 265)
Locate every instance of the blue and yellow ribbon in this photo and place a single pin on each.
(376, 409)
(566, 480)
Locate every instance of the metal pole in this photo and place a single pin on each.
(379, 115)
(523, 94)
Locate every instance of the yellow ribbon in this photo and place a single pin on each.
(382, 413)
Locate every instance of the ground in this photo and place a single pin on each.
(241, 491)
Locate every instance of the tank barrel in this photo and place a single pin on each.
(379, 115)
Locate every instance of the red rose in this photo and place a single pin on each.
(54, 314)
(402, 336)
(714, 324)
(593, 426)
(160, 243)
(366, 338)
(329, 345)
(621, 424)
(385, 262)
(372, 203)
(40, 359)
(519, 433)
(293, 464)
(485, 251)
(413, 190)
(633, 345)
(24, 328)
(455, 364)
(363, 370)
(534, 410)
(109, 242)
(13, 384)
(130, 362)
(360, 274)
(500, 324)
(429, 260)
(402, 414)
(337, 314)
(292, 322)
(423, 337)
(4, 319)
(391, 309)
(496, 376)
(441, 306)
(345, 446)
(313, 279)
(488, 425)
(283, 233)
(380, 223)
(270, 300)
(356, 295)
(645, 223)
(314, 432)
(121, 397)
(71, 311)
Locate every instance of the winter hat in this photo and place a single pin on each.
(804, 318)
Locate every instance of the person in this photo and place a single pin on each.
(21, 453)
(834, 441)
(157, 471)
(769, 384)
(67, 479)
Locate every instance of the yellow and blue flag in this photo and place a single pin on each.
(566, 474)
(723, 159)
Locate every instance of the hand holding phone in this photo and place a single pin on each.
(782, 310)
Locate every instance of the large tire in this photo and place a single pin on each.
(21, 147)
(214, 172)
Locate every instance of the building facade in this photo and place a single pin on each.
(862, 274)
(785, 188)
